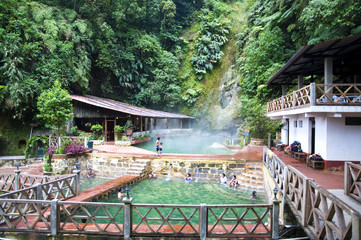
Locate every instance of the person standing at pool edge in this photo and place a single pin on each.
(160, 149)
(223, 178)
(157, 146)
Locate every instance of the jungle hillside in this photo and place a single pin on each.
(205, 58)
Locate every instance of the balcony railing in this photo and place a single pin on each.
(317, 95)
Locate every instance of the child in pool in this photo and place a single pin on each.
(160, 149)
(223, 179)
(120, 193)
(234, 182)
(152, 175)
(188, 177)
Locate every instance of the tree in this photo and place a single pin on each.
(55, 106)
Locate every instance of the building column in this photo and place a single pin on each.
(284, 90)
(145, 124)
(300, 81)
(328, 72)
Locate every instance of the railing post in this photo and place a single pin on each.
(39, 192)
(347, 179)
(305, 201)
(85, 142)
(356, 226)
(273, 167)
(77, 181)
(54, 217)
(275, 218)
(127, 226)
(293, 99)
(313, 94)
(203, 221)
(285, 186)
(17, 179)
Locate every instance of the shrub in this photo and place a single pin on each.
(74, 148)
(97, 130)
(47, 167)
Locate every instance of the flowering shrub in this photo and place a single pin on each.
(50, 151)
(74, 148)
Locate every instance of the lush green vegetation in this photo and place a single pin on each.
(161, 54)
(273, 31)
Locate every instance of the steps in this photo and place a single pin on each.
(138, 167)
(252, 178)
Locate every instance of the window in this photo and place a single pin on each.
(300, 123)
(295, 124)
(353, 121)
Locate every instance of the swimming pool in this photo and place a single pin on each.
(177, 191)
(191, 144)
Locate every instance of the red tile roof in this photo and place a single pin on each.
(125, 108)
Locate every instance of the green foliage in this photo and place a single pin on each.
(191, 96)
(97, 130)
(141, 137)
(33, 143)
(47, 167)
(55, 107)
(119, 129)
(211, 37)
(74, 131)
(254, 119)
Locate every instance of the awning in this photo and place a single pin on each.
(125, 108)
(309, 60)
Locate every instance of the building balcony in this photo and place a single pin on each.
(318, 98)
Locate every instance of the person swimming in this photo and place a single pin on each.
(234, 182)
(120, 193)
(188, 177)
(223, 179)
(253, 196)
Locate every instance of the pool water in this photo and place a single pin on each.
(87, 183)
(176, 191)
(192, 144)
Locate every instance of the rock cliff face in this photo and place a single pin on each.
(225, 112)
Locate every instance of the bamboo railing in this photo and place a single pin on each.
(353, 180)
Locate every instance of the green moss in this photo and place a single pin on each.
(13, 135)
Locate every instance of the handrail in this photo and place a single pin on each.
(318, 94)
(353, 180)
(319, 211)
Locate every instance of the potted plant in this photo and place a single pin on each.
(119, 131)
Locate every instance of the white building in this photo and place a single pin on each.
(325, 114)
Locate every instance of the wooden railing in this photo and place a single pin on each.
(63, 188)
(322, 214)
(318, 94)
(57, 142)
(353, 180)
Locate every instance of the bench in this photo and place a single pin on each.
(315, 164)
(300, 156)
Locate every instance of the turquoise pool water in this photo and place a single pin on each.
(189, 145)
(87, 183)
(179, 192)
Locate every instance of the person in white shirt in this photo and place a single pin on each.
(223, 179)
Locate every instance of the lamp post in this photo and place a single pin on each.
(127, 190)
(275, 191)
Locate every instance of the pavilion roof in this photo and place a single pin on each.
(125, 108)
(309, 60)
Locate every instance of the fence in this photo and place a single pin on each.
(353, 180)
(318, 94)
(57, 142)
(136, 220)
(322, 214)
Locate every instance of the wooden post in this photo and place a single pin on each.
(275, 218)
(54, 217)
(293, 99)
(269, 140)
(141, 123)
(285, 186)
(346, 179)
(356, 226)
(77, 182)
(313, 94)
(127, 221)
(203, 215)
(305, 202)
(17, 179)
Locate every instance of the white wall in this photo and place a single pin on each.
(301, 134)
(343, 142)
(320, 136)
